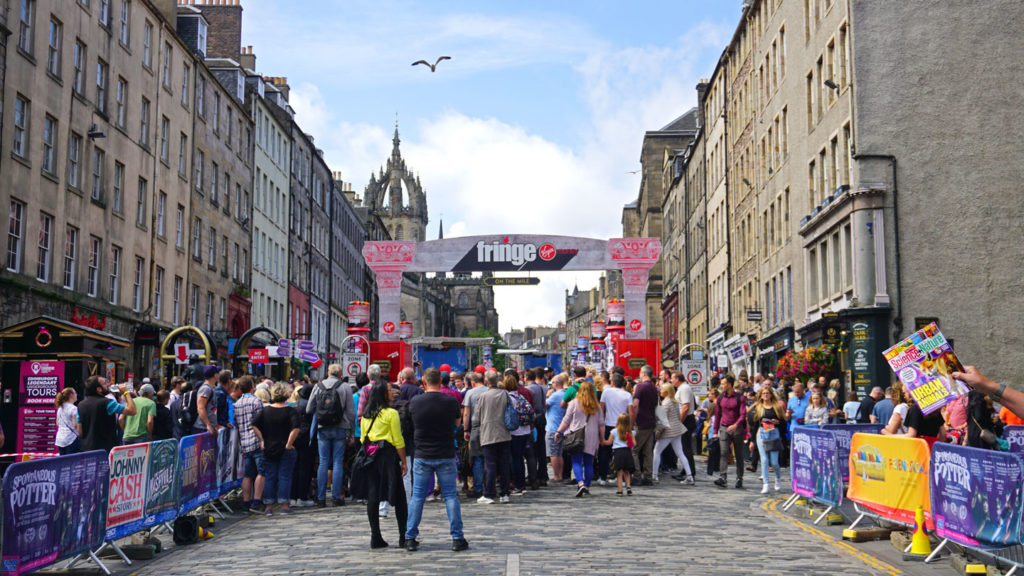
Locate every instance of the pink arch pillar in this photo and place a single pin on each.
(635, 257)
(388, 260)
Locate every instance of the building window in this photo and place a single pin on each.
(193, 305)
(201, 96)
(102, 71)
(214, 176)
(197, 239)
(93, 280)
(223, 311)
(45, 244)
(147, 44)
(227, 193)
(812, 277)
(161, 207)
(74, 160)
(179, 232)
(21, 115)
(224, 254)
(125, 21)
(231, 127)
(837, 263)
(234, 263)
(70, 257)
(182, 155)
(200, 160)
(105, 13)
(137, 284)
(165, 126)
(25, 19)
(15, 235)
(176, 303)
(49, 144)
(211, 254)
(78, 83)
(823, 278)
(98, 158)
(847, 257)
(120, 95)
(245, 264)
(117, 201)
(166, 74)
(144, 124)
(209, 311)
(115, 275)
(158, 289)
(184, 84)
(216, 112)
(140, 202)
(53, 47)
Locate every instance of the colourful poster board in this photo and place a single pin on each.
(814, 465)
(40, 382)
(889, 475)
(143, 487)
(844, 435)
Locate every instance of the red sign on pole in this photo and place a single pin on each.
(259, 356)
(635, 324)
(389, 327)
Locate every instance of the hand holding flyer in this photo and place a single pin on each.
(925, 363)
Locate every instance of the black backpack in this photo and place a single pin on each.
(189, 411)
(328, 406)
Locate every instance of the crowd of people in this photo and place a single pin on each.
(393, 446)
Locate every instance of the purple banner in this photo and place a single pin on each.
(1014, 436)
(976, 495)
(53, 509)
(844, 434)
(198, 457)
(37, 417)
(814, 465)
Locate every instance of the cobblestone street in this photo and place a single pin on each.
(679, 530)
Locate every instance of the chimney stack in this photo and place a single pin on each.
(702, 92)
(281, 82)
(224, 35)
(247, 59)
(168, 9)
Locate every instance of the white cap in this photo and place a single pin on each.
(146, 380)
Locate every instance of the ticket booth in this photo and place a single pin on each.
(633, 353)
(391, 356)
(41, 357)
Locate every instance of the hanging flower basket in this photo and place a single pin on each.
(811, 362)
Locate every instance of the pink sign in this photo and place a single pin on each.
(358, 313)
(37, 415)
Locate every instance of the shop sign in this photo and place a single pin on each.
(83, 318)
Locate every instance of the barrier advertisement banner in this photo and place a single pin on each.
(227, 460)
(143, 491)
(1014, 436)
(53, 509)
(198, 455)
(844, 435)
(814, 465)
(976, 495)
(889, 475)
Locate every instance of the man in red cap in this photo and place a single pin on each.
(445, 368)
(480, 368)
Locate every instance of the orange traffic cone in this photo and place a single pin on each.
(920, 544)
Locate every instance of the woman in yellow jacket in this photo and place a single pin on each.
(382, 481)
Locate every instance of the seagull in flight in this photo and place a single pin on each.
(433, 67)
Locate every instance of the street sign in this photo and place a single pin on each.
(754, 315)
(696, 376)
(517, 281)
(258, 355)
(331, 356)
(308, 356)
(278, 352)
(182, 353)
(284, 343)
(304, 344)
(353, 363)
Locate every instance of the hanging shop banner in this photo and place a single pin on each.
(889, 475)
(814, 466)
(53, 509)
(227, 460)
(976, 495)
(37, 415)
(1014, 436)
(143, 491)
(844, 435)
(198, 455)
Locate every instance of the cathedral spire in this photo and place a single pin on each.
(396, 140)
(440, 228)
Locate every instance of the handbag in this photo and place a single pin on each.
(771, 444)
(661, 422)
(366, 456)
(574, 441)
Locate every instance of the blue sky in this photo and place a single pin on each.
(533, 125)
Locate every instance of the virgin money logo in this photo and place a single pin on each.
(635, 325)
(547, 252)
(389, 327)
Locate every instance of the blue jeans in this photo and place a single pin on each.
(331, 445)
(478, 474)
(768, 458)
(583, 468)
(278, 486)
(423, 471)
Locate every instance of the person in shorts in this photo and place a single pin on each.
(246, 409)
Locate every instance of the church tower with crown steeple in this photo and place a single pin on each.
(398, 197)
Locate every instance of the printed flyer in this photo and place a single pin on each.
(925, 363)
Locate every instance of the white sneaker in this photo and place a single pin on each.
(504, 500)
(602, 482)
(484, 500)
(688, 481)
(764, 489)
(777, 486)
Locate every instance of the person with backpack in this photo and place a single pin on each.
(198, 407)
(522, 401)
(495, 439)
(335, 417)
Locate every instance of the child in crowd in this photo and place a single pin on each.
(621, 440)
